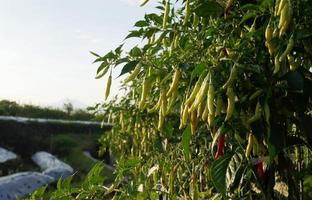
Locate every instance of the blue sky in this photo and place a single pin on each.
(45, 44)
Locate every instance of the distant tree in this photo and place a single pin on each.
(68, 107)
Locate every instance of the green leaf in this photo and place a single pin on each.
(209, 8)
(186, 140)
(248, 16)
(135, 52)
(121, 60)
(138, 33)
(141, 23)
(154, 18)
(277, 140)
(95, 54)
(118, 49)
(295, 81)
(218, 173)
(235, 166)
(128, 67)
(102, 70)
(199, 68)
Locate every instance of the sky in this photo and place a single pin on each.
(45, 44)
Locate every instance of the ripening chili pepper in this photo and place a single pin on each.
(220, 147)
(108, 86)
(260, 170)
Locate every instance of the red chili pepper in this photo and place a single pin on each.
(220, 147)
(260, 169)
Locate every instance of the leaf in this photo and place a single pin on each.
(233, 174)
(141, 23)
(154, 17)
(128, 67)
(248, 16)
(121, 60)
(138, 33)
(199, 68)
(292, 140)
(135, 52)
(295, 81)
(144, 2)
(95, 54)
(102, 70)
(186, 140)
(306, 127)
(276, 140)
(118, 49)
(218, 173)
(209, 8)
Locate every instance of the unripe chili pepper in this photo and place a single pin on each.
(284, 13)
(166, 14)
(195, 20)
(268, 32)
(134, 73)
(187, 12)
(195, 90)
(184, 117)
(219, 105)
(231, 103)
(277, 64)
(277, 2)
(232, 77)
(220, 147)
(201, 94)
(257, 114)
(145, 92)
(288, 49)
(210, 99)
(194, 121)
(200, 109)
(281, 5)
(249, 145)
(292, 63)
(108, 86)
(175, 82)
(210, 119)
(205, 113)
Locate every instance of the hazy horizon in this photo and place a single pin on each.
(45, 47)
